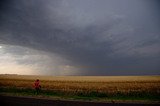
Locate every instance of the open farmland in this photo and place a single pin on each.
(88, 86)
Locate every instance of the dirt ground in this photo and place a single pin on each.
(29, 101)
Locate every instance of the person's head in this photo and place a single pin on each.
(37, 80)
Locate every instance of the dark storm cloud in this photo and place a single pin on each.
(104, 37)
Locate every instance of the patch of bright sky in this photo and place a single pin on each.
(26, 61)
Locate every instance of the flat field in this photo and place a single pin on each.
(121, 87)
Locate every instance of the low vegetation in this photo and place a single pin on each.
(86, 87)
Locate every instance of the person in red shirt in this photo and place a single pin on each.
(37, 86)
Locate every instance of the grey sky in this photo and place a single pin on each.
(82, 37)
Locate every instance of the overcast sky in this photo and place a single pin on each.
(80, 37)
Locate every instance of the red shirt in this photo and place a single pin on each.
(36, 84)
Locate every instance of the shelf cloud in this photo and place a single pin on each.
(80, 37)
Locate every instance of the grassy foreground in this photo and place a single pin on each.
(85, 87)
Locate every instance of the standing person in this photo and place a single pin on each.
(37, 86)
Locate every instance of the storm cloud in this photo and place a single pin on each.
(84, 37)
